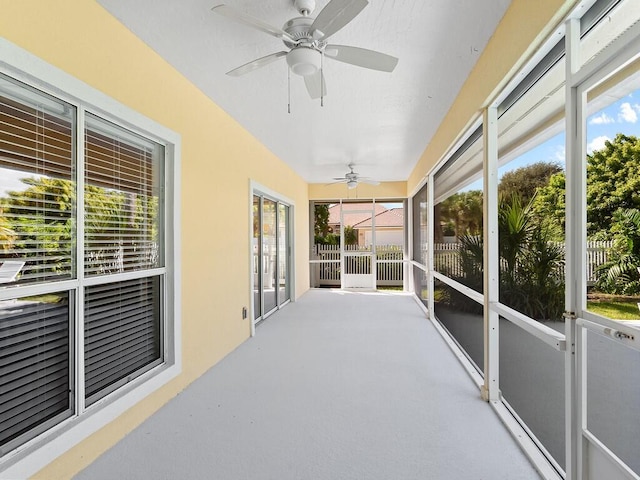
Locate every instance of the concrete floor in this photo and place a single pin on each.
(337, 385)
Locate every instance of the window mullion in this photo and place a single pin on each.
(79, 260)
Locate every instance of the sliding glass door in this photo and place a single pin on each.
(271, 255)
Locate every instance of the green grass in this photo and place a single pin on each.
(615, 310)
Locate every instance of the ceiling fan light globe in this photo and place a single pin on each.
(352, 184)
(304, 61)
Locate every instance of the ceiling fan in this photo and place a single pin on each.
(306, 39)
(352, 179)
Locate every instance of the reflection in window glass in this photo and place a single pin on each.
(269, 254)
(458, 193)
(420, 226)
(37, 184)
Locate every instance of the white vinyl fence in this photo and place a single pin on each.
(389, 264)
(446, 259)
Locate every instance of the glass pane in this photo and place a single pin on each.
(613, 396)
(35, 365)
(532, 382)
(463, 318)
(257, 258)
(420, 226)
(420, 285)
(269, 254)
(122, 333)
(613, 203)
(37, 185)
(458, 249)
(283, 254)
(124, 190)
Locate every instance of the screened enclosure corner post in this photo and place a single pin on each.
(491, 387)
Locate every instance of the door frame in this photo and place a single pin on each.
(258, 190)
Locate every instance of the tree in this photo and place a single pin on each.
(39, 221)
(613, 185)
(320, 222)
(525, 181)
(461, 213)
(620, 274)
(549, 203)
(350, 235)
(613, 181)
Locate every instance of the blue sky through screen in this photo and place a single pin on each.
(622, 116)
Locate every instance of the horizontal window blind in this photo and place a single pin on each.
(34, 363)
(122, 200)
(37, 188)
(122, 332)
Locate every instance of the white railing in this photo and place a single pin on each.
(326, 264)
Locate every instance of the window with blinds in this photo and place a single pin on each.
(122, 333)
(122, 200)
(122, 214)
(37, 183)
(35, 372)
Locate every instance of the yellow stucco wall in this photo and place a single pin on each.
(391, 190)
(218, 159)
(524, 26)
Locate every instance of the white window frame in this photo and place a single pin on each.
(30, 457)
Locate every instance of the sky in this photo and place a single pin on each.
(622, 116)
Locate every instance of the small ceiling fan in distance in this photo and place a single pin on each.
(352, 179)
(306, 40)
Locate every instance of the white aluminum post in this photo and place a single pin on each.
(490, 389)
(574, 224)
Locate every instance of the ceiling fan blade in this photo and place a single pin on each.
(361, 57)
(255, 64)
(239, 17)
(316, 85)
(335, 15)
(344, 180)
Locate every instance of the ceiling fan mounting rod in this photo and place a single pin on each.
(305, 7)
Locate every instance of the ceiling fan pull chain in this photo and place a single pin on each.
(322, 78)
(288, 89)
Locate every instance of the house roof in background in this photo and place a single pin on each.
(354, 218)
(393, 217)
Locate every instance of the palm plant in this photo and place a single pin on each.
(620, 274)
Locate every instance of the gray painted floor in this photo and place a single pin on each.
(335, 386)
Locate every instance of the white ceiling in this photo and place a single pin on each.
(380, 121)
